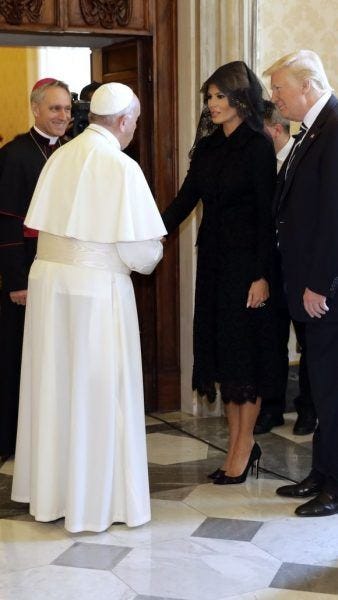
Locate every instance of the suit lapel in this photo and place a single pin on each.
(310, 138)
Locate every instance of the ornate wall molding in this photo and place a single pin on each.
(14, 11)
(108, 13)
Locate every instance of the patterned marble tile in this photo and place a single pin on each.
(173, 416)
(285, 431)
(92, 556)
(177, 494)
(142, 597)
(25, 516)
(307, 541)
(275, 594)
(179, 475)
(7, 507)
(201, 569)
(168, 449)
(308, 578)
(204, 542)
(163, 427)
(63, 583)
(150, 420)
(288, 458)
(212, 430)
(169, 520)
(228, 529)
(284, 457)
(25, 545)
(254, 500)
(7, 467)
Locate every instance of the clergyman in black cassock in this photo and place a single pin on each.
(21, 162)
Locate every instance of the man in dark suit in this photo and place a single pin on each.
(272, 409)
(307, 223)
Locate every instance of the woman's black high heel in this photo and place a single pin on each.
(253, 462)
(216, 474)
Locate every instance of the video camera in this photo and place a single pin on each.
(80, 110)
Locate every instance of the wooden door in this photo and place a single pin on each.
(130, 62)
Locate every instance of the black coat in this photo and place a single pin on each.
(234, 177)
(307, 208)
(21, 163)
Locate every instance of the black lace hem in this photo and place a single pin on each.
(230, 392)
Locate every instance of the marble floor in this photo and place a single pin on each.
(205, 542)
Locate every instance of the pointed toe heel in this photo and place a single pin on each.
(216, 474)
(253, 463)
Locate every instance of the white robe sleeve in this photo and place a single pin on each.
(140, 256)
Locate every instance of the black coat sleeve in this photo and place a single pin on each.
(323, 272)
(20, 166)
(185, 201)
(13, 261)
(263, 161)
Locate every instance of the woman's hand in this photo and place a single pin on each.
(258, 294)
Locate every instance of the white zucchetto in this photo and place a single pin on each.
(111, 98)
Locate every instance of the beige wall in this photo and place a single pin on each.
(284, 27)
(18, 67)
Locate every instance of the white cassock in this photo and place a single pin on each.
(81, 445)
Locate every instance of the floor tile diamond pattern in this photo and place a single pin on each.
(92, 556)
(228, 529)
(204, 542)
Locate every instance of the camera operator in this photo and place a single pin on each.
(80, 109)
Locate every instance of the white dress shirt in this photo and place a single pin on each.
(283, 153)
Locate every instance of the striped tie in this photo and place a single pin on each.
(298, 140)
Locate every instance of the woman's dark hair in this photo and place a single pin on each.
(244, 92)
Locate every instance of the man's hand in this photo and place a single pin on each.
(258, 294)
(314, 304)
(19, 297)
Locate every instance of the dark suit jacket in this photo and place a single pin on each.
(307, 216)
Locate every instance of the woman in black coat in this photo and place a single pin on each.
(232, 171)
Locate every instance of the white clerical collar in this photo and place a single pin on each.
(314, 111)
(52, 140)
(106, 133)
(282, 154)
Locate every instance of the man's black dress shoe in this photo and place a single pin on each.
(310, 486)
(305, 423)
(324, 505)
(265, 422)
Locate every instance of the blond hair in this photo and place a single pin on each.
(304, 64)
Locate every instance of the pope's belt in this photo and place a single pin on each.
(54, 248)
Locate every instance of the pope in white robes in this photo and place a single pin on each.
(81, 445)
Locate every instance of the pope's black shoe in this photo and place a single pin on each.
(310, 486)
(305, 423)
(324, 505)
(266, 421)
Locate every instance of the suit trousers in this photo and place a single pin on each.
(303, 403)
(322, 357)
